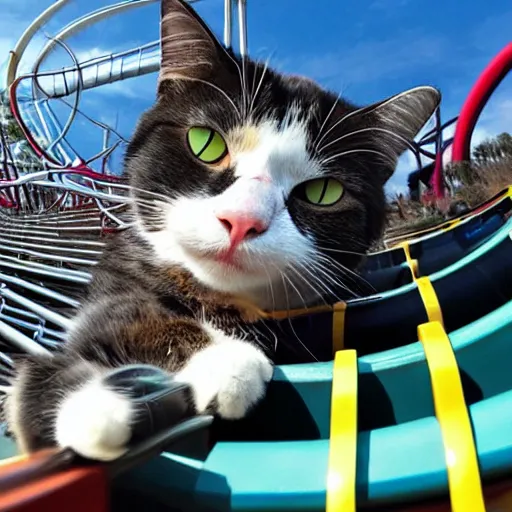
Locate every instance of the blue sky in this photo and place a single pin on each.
(367, 49)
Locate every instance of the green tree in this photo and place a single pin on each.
(493, 150)
(9, 125)
(504, 142)
(17, 158)
(12, 136)
(462, 172)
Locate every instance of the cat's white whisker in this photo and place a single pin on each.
(352, 151)
(407, 142)
(146, 207)
(358, 111)
(317, 293)
(330, 264)
(320, 283)
(341, 251)
(251, 95)
(255, 95)
(271, 288)
(218, 89)
(327, 273)
(243, 89)
(315, 145)
(261, 339)
(154, 195)
(283, 277)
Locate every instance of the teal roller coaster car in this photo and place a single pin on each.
(280, 457)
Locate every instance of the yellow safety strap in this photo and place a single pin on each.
(413, 264)
(452, 224)
(338, 326)
(451, 411)
(341, 471)
(430, 300)
(425, 287)
(338, 319)
(292, 313)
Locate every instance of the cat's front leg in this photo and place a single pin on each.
(65, 400)
(228, 377)
(62, 401)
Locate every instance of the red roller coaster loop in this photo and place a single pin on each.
(482, 90)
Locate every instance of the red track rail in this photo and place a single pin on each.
(482, 90)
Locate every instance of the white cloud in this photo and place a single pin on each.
(85, 55)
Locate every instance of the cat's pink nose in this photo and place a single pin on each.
(241, 227)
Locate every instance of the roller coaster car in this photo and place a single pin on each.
(279, 457)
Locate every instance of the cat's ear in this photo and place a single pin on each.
(406, 113)
(400, 118)
(189, 50)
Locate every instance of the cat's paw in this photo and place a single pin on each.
(230, 375)
(95, 421)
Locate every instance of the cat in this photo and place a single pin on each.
(252, 190)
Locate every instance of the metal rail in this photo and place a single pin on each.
(114, 67)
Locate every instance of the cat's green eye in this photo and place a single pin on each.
(323, 191)
(207, 145)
